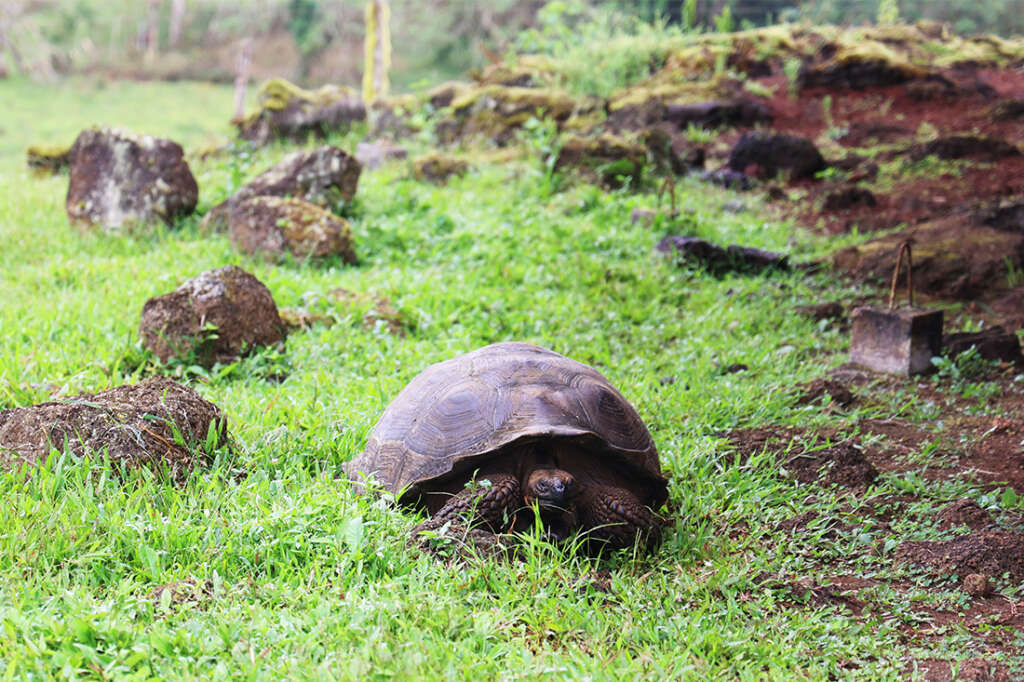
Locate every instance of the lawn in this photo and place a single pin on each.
(269, 565)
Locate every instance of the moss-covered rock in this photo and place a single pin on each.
(438, 168)
(119, 179)
(276, 225)
(607, 159)
(497, 111)
(324, 176)
(287, 111)
(48, 159)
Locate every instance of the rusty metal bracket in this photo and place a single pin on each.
(904, 246)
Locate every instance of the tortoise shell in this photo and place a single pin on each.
(457, 413)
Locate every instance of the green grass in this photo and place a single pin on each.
(282, 570)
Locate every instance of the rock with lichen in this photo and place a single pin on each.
(48, 159)
(219, 316)
(608, 160)
(325, 176)
(276, 225)
(497, 112)
(156, 423)
(438, 168)
(287, 111)
(119, 179)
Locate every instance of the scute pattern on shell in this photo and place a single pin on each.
(461, 410)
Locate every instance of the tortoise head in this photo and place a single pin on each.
(552, 492)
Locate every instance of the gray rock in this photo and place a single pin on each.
(273, 226)
(324, 176)
(119, 179)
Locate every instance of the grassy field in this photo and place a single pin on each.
(269, 565)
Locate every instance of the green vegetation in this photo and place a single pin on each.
(269, 565)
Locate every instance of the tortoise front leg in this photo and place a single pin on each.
(492, 504)
(617, 517)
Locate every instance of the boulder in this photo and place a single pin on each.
(156, 423)
(606, 159)
(769, 154)
(498, 112)
(274, 225)
(859, 66)
(120, 179)
(219, 316)
(289, 112)
(324, 176)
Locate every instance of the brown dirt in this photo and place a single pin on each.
(876, 138)
(991, 552)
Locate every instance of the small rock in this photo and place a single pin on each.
(850, 197)
(273, 226)
(771, 154)
(48, 159)
(219, 316)
(609, 160)
(728, 178)
(963, 512)
(120, 179)
(715, 114)
(323, 176)
(718, 260)
(832, 310)
(965, 147)
(643, 215)
(977, 585)
(438, 169)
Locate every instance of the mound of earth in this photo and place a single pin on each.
(965, 512)
(156, 423)
(956, 258)
(990, 552)
(843, 465)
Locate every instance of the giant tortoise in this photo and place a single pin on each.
(512, 433)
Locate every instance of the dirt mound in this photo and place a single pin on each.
(817, 390)
(843, 465)
(154, 423)
(991, 552)
(965, 147)
(965, 512)
(955, 258)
